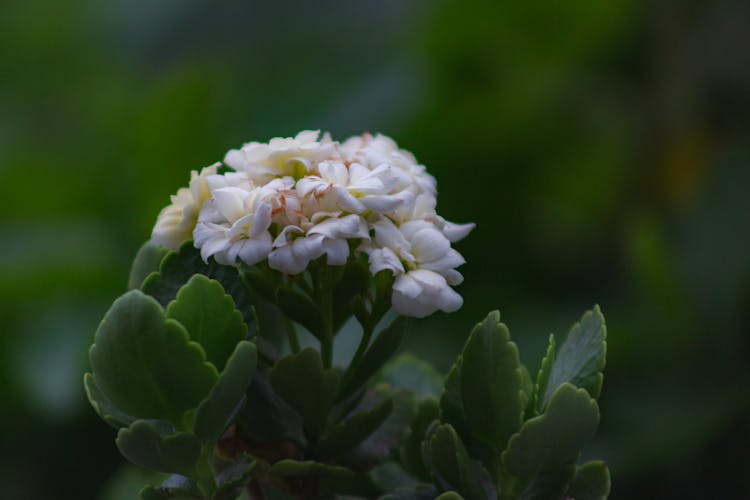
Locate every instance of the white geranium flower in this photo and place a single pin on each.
(234, 224)
(175, 223)
(291, 156)
(420, 257)
(294, 248)
(357, 188)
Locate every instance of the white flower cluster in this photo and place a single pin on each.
(293, 200)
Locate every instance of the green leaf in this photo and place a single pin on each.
(542, 377)
(413, 374)
(233, 478)
(410, 454)
(354, 281)
(452, 467)
(591, 482)
(145, 364)
(352, 431)
(491, 383)
(300, 308)
(296, 468)
(219, 408)
(144, 445)
(146, 261)
(381, 350)
(451, 403)
(176, 487)
(449, 495)
(103, 407)
(527, 391)
(553, 440)
(303, 383)
(266, 417)
(209, 316)
(581, 358)
(391, 434)
(177, 268)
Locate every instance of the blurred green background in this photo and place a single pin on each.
(602, 148)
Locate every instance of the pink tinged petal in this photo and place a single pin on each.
(456, 232)
(261, 220)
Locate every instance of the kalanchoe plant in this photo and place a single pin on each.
(326, 231)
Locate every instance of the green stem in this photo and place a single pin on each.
(203, 475)
(326, 309)
(291, 335)
(364, 343)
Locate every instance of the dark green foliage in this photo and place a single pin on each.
(144, 444)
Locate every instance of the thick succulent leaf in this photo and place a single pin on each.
(231, 479)
(352, 431)
(413, 374)
(381, 350)
(452, 467)
(175, 487)
(303, 383)
(223, 402)
(300, 308)
(451, 403)
(296, 468)
(491, 383)
(145, 364)
(144, 445)
(569, 422)
(178, 267)
(527, 391)
(103, 407)
(391, 434)
(410, 454)
(591, 482)
(266, 417)
(449, 495)
(581, 358)
(209, 316)
(146, 261)
(549, 483)
(542, 377)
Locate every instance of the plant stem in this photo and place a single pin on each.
(291, 335)
(324, 290)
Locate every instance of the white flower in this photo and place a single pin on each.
(294, 248)
(421, 292)
(175, 223)
(424, 209)
(291, 156)
(423, 262)
(357, 188)
(381, 149)
(234, 224)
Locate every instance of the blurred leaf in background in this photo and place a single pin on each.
(602, 150)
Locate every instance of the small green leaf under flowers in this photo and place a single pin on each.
(581, 358)
(303, 383)
(553, 440)
(217, 410)
(591, 482)
(143, 444)
(210, 317)
(146, 261)
(145, 364)
(491, 383)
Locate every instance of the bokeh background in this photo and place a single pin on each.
(602, 148)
